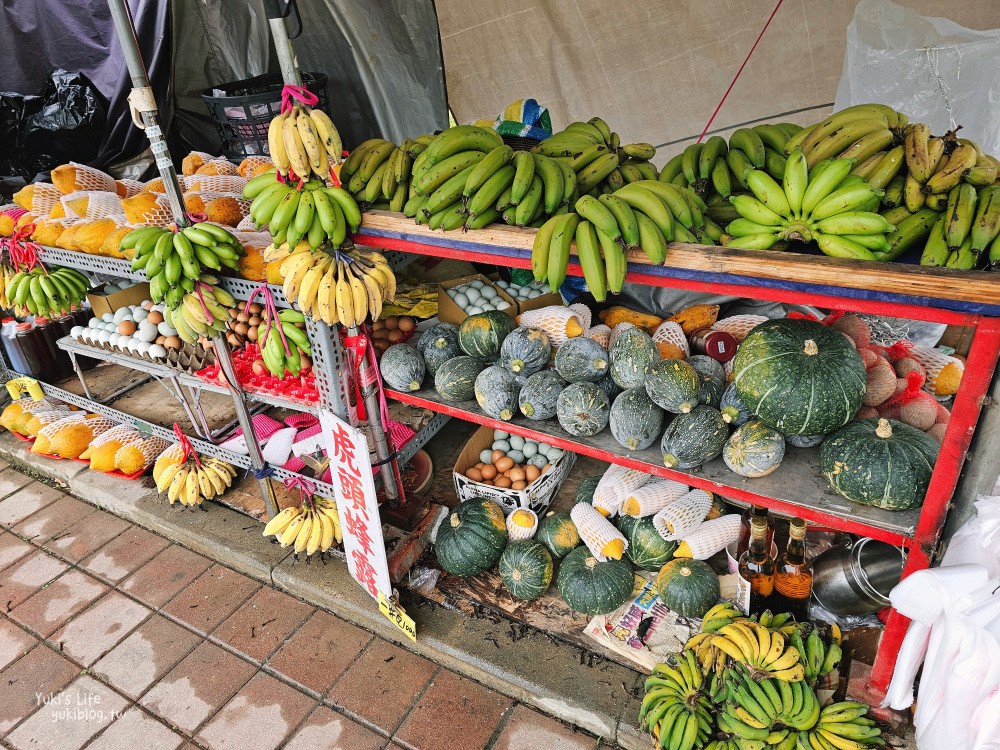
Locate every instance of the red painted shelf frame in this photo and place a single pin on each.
(395, 232)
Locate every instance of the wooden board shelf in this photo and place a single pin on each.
(796, 488)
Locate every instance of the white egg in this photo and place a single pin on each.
(124, 284)
(147, 332)
(478, 284)
(111, 327)
(473, 295)
(108, 317)
(104, 337)
(452, 292)
(94, 323)
(139, 315)
(125, 343)
(489, 292)
(76, 332)
(461, 300)
(142, 347)
(166, 329)
(121, 314)
(157, 352)
(474, 310)
(114, 338)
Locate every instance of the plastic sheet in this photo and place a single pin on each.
(933, 69)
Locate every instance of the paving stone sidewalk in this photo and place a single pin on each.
(112, 637)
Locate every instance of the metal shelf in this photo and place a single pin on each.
(796, 488)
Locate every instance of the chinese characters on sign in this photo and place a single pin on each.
(357, 505)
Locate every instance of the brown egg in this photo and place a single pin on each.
(155, 317)
(474, 474)
(233, 312)
(259, 368)
(233, 339)
(516, 474)
(519, 485)
(147, 305)
(392, 322)
(545, 469)
(242, 317)
(254, 320)
(396, 336)
(496, 456)
(489, 482)
(489, 471)
(159, 340)
(251, 333)
(172, 342)
(504, 464)
(407, 324)
(382, 345)
(378, 325)
(502, 482)
(241, 328)
(380, 335)
(256, 309)
(532, 472)
(126, 328)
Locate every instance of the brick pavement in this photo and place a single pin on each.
(112, 638)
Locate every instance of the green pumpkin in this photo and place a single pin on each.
(635, 420)
(496, 392)
(804, 441)
(438, 344)
(558, 533)
(754, 450)
(734, 411)
(712, 377)
(472, 538)
(525, 351)
(688, 587)
(632, 354)
(539, 394)
(609, 386)
(403, 368)
(456, 379)
(879, 462)
(581, 360)
(583, 409)
(694, 438)
(592, 587)
(800, 377)
(646, 548)
(482, 334)
(526, 569)
(586, 489)
(673, 385)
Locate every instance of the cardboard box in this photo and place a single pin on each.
(536, 496)
(101, 303)
(545, 300)
(449, 312)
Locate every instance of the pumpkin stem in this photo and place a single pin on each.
(455, 520)
(884, 429)
(810, 348)
(591, 562)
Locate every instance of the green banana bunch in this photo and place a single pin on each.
(315, 213)
(272, 348)
(674, 707)
(47, 292)
(827, 206)
(842, 726)
(856, 133)
(202, 313)
(175, 261)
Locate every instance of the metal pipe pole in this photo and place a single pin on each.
(142, 100)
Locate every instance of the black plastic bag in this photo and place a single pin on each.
(66, 122)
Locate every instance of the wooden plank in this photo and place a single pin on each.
(975, 292)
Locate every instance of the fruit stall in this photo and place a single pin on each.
(606, 458)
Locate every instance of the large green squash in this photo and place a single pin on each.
(482, 334)
(472, 538)
(438, 344)
(581, 360)
(456, 379)
(526, 569)
(799, 376)
(402, 367)
(712, 375)
(879, 462)
(635, 420)
(558, 533)
(673, 385)
(525, 351)
(694, 438)
(496, 392)
(583, 409)
(646, 548)
(632, 353)
(688, 587)
(804, 441)
(754, 450)
(609, 386)
(586, 489)
(734, 411)
(592, 587)
(539, 394)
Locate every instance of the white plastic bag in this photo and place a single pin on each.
(932, 69)
(978, 539)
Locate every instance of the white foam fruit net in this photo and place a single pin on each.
(554, 320)
(617, 330)
(83, 177)
(216, 166)
(597, 532)
(92, 204)
(670, 332)
(583, 313)
(653, 497)
(43, 198)
(132, 187)
(518, 532)
(601, 334)
(217, 183)
(712, 536)
(683, 515)
(608, 495)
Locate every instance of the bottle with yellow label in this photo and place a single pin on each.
(794, 574)
(755, 582)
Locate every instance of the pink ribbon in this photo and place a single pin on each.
(305, 487)
(298, 93)
(271, 314)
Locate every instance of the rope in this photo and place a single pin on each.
(738, 72)
(298, 93)
(306, 488)
(263, 473)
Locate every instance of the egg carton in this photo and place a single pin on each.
(190, 357)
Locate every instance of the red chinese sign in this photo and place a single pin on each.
(357, 504)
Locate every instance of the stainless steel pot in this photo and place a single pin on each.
(855, 579)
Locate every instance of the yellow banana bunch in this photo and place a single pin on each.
(310, 528)
(202, 313)
(304, 141)
(192, 482)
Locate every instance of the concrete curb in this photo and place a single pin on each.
(534, 669)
